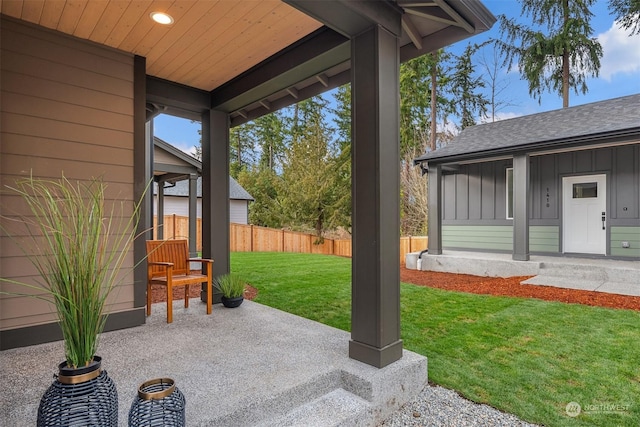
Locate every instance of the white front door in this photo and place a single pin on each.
(584, 214)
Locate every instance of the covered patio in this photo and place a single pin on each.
(81, 82)
(252, 365)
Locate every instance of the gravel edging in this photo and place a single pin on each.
(438, 407)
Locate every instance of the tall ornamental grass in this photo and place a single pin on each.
(78, 247)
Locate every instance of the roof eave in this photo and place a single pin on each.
(589, 140)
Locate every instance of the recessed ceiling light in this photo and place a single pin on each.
(162, 18)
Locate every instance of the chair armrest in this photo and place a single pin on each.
(199, 260)
(166, 264)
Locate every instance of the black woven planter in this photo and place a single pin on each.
(159, 404)
(80, 397)
(232, 302)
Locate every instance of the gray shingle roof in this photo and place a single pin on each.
(559, 127)
(181, 189)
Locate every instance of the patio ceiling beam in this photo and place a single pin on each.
(433, 42)
(317, 88)
(322, 78)
(313, 55)
(458, 20)
(177, 99)
(351, 18)
(293, 92)
(412, 31)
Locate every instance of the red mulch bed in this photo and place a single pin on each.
(509, 286)
(159, 293)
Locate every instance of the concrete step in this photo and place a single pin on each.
(628, 287)
(598, 273)
(334, 409)
(564, 282)
(582, 271)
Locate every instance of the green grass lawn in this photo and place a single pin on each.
(523, 356)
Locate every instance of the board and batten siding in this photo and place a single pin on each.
(67, 108)
(475, 192)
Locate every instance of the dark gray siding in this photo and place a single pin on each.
(475, 192)
(626, 188)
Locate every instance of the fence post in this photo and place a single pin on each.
(174, 226)
(283, 240)
(251, 238)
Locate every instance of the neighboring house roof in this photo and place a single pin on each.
(177, 153)
(181, 189)
(584, 124)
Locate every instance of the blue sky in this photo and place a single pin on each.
(619, 75)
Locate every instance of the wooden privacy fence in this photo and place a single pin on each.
(252, 238)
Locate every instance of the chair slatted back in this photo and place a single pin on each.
(174, 251)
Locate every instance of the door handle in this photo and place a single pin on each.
(604, 218)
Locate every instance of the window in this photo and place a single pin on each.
(585, 190)
(509, 193)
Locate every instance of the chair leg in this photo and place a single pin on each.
(209, 296)
(186, 296)
(169, 304)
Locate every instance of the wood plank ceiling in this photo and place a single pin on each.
(209, 43)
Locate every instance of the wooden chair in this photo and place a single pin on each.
(168, 264)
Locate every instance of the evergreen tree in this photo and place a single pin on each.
(269, 132)
(342, 114)
(341, 212)
(469, 101)
(627, 14)
(419, 93)
(559, 59)
(264, 185)
(241, 149)
(415, 77)
(308, 195)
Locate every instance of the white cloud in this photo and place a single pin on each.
(620, 53)
(186, 147)
(500, 116)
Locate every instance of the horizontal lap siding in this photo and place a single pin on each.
(499, 237)
(544, 239)
(238, 211)
(625, 234)
(67, 107)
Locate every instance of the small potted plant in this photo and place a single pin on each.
(231, 286)
(77, 241)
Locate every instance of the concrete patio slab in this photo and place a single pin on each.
(252, 365)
